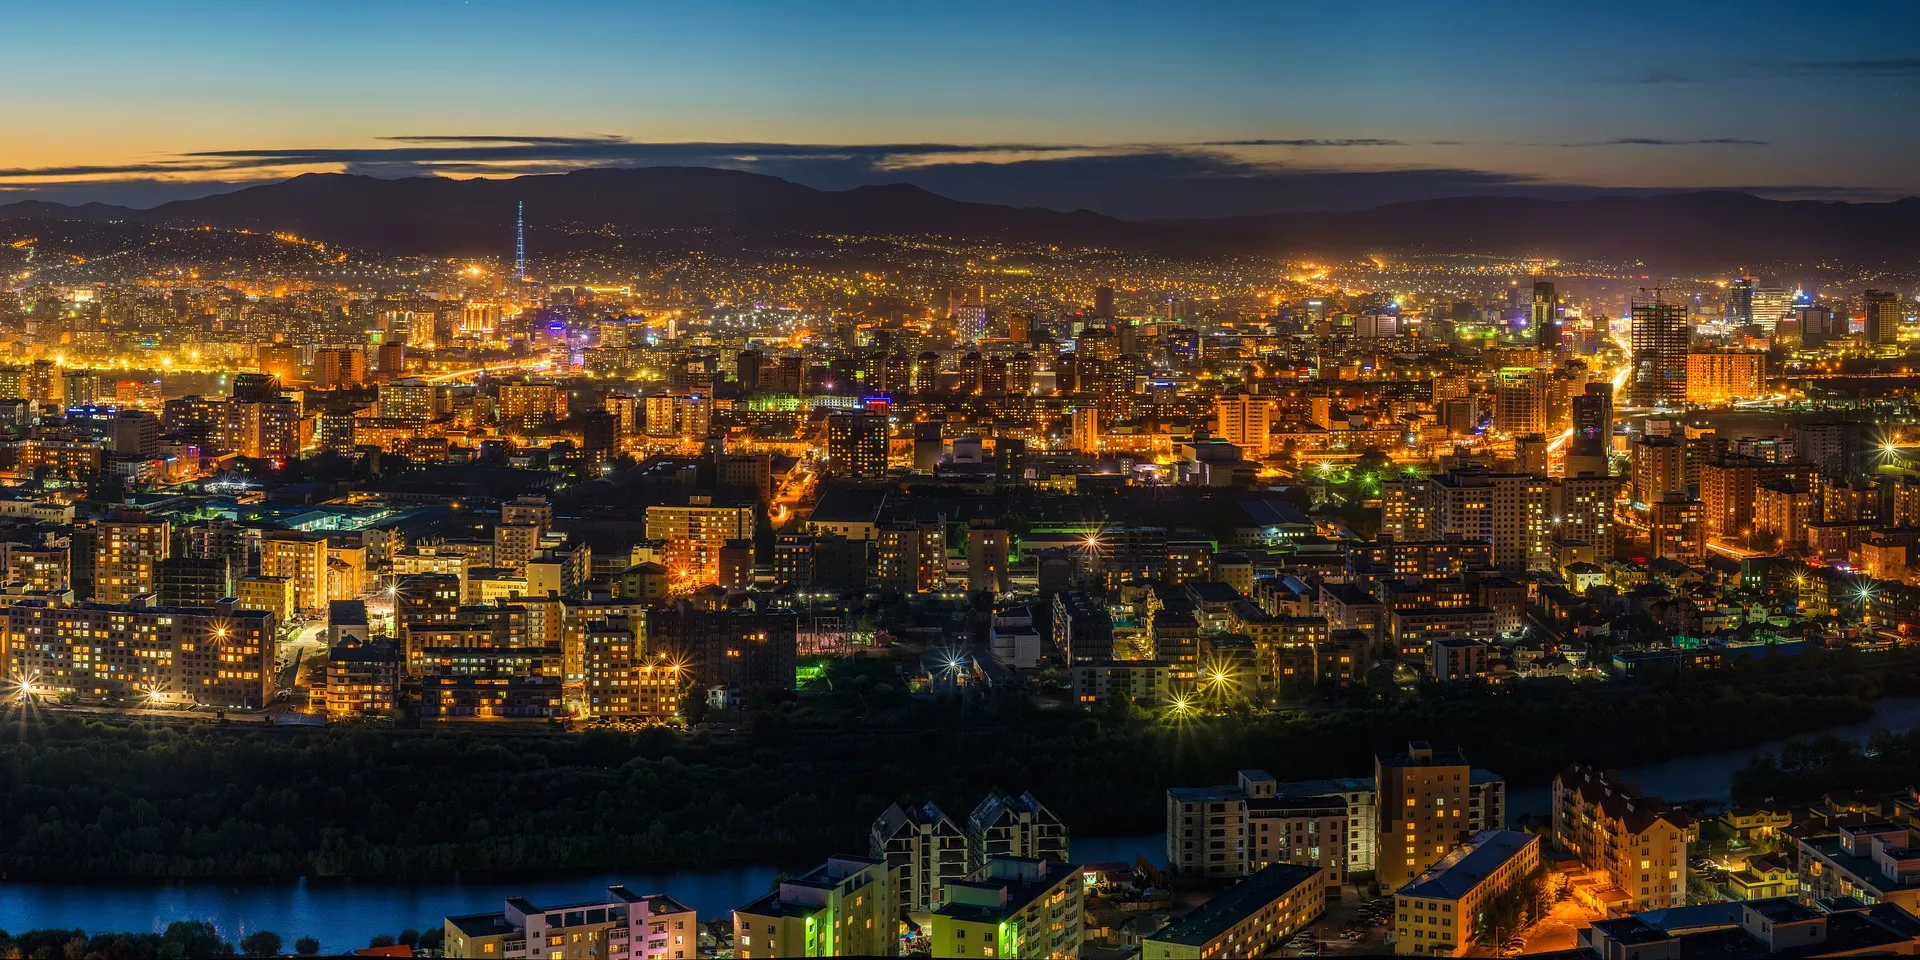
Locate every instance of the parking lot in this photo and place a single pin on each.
(1350, 926)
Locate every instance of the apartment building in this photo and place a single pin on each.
(926, 850)
(695, 533)
(218, 656)
(1430, 801)
(1012, 907)
(127, 549)
(302, 558)
(623, 925)
(362, 677)
(1237, 829)
(1435, 913)
(1254, 918)
(845, 907)
(1637, 844)
(1870, 862)
(625, 681)
(1003, 825)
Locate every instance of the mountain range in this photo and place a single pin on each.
(444, 217)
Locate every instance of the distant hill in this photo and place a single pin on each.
(42, 210)
(442, 217)
(474, 217)
(1709, 229)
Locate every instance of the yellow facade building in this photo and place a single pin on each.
(1254, 918)
(1435, 914)
(845, 907)
(1012, 908)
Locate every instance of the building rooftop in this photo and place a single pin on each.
(482, 924)
(1465, 868)
(1421, 754)
(1009, 885)
(1219, 914)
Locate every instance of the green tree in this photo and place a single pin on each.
(193, 938)
(261, 943)
(307, 946)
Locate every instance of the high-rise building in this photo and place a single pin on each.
(1103, 303)
(988, 546)
(335, 368)
(1086, 429)
(126, 550)
(302, 558)
(1592, 438)
(1769, 306)
(1729, 489)
(1740, 301)
(694, 535)
(970, 322)
(911, 555)
(1724, 376)
(1883, 316)
(1583, 510)
(1658, 469)
(136, 433)
(1675, 530)
(1520, 401)
(1659, 338)
(1233, 830)
(193, 581)
(1244, 421)
(411, 400)
(1510, 510)
(1544, 317)
(255, 387)
(1839, 448)
(1813, 325)
(1429, 802)
(857, 445)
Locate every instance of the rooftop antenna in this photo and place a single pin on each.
(520, 243)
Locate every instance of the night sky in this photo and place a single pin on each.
(1138, 109)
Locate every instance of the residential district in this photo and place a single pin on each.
(447, 494)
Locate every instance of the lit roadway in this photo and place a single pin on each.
(458, 374)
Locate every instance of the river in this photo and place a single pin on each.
(343, 914)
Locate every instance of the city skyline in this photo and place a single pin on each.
(1064, 105)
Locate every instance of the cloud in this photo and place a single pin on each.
(1878, 68)
(1219, 178)
(1662, 142)
(1356, 142)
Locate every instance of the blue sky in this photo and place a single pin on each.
(1139, 108)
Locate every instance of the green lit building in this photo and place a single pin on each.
(845, 907)
(1013, 907)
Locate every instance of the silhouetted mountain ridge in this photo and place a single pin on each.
(443, 217)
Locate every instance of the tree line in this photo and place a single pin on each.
(90, 800)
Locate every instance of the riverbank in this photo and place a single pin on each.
(89, 801)
(345, 914)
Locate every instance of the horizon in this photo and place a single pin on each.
(213, 189)
(1140, 113)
